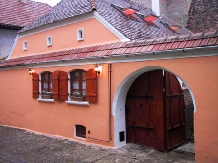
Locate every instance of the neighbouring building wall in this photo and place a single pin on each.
(176, 10)
(65, 37)
(203, 16)
(189, 114)
(7, 38)
(20, 109)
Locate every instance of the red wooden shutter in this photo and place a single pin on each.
(63, 85)
(55, 85)
(91, 85)
(35, 79)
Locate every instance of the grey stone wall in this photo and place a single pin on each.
(177, 10)
(189, 114)
(7, 38)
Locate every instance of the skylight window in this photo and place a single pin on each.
(128, 12)
(174, 28)
(150, 18)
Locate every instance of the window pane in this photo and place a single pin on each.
(45, 76)
(50, 85)
(45, 85)
(83, 84)
(76, 76)
(83, 75)
(75, 85)
(84, 92)
(50, 76)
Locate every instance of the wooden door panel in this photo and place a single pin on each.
(155, 118)
(174, 109)
(156, 84)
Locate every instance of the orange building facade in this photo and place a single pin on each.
(104, 116)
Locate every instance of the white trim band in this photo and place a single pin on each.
(85, 103)
(45, 100)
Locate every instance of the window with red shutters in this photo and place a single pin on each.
(35, 79)
(81, 131)
(63, 85)
(91, 86)
(55, 85)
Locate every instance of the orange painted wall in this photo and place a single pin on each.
(19, 109)
(65, 37)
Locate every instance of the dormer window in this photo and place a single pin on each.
(128, 12)
(80, 34)
(174, 28)
(49, 41)
(150, 18)
(25, 45)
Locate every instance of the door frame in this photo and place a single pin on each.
(118, 104)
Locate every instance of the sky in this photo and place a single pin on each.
(52, 3)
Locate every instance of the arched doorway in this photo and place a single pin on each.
(155, 111)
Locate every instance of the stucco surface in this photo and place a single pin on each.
(65, 37)
(19, 109)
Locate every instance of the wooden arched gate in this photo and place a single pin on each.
(155, 111)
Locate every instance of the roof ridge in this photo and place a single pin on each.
(176, 38)
(93, 4)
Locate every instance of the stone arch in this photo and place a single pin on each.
(118, 104)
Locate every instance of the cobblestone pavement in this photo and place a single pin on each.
(20, 146)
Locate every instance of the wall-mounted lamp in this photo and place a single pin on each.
(98, 69)
(31, 71)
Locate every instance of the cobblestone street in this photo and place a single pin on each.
(20, 146)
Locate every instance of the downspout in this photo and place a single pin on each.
(109, 89)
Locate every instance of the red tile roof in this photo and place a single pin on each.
(132, 26)
(119, 48)
(16, 13)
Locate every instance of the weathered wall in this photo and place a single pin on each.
(19, 109)
(7, 37)
(189, 114)
(63, 39)
(203, 16)
(176, 10)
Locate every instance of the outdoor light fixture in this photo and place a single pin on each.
(31, 71)
(98, 69)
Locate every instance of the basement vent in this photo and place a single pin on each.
(122, 136)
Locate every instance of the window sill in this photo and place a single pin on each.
(86, 103)
(80, 137)
(45, 100)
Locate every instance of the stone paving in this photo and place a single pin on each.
(20, 146)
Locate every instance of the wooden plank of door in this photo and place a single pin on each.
(175, 116)
(156, 83)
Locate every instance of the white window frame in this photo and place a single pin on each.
(25, 45)
(49, 40)
(80, 34)
(40, 91)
